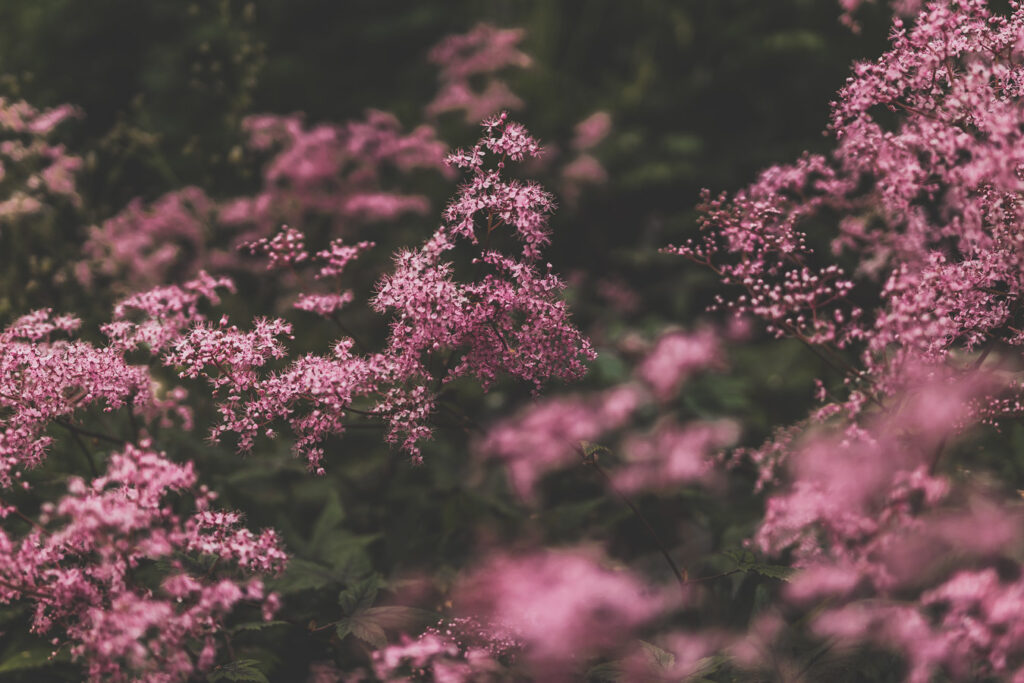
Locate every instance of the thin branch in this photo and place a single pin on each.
(681, 575)
(85, 451)
(714, 576)
(28, 520)
(25, 591)
(91, 434)
(351, 335)
(365, 413)
(133, 423)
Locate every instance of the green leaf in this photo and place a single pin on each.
(369, 623)
(32, 657)
(772, 571)
(343, 628)
(606, 672)
(359, 596)
(663, 659)
(257, 626)
(346, 553)
(330, 518)
(304, 575)
(709, 665)
(397, 617)
(369, 631)
(747, 561)
(241, 670)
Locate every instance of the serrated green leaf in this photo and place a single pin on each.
(241, 670)
(772, 571)
(343, 628)
(359, 596)
(747, 561)
(369, 631)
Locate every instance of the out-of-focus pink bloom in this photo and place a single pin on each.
(560, 605)
(144, 246)
(324, 305)
(675, 357)
(582, 171)
(332, 171)
(548, 436)
(484, 51)
(673, 455)
(592, 130)
(619, 295)
(34, 170)
(906, 8)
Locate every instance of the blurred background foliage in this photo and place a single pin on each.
(702, 93)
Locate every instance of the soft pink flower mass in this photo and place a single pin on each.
(483, 52)
(558, 605)
(33, 172)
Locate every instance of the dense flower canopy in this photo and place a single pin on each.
(626, 527)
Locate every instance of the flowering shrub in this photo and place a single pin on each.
(628, 528)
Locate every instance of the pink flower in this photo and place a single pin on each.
(561, 605)
(76, 568)
(484, 51)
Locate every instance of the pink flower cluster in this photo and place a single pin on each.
(90, 563)
(888, 538)
(934, 231)
(482, 52)
(558, 432)
(508, 320)
(46, 381)
(33, 171)
(897, 549)
(149, 245)
(158, 317)
(87, 567)
(332, 172)
(456, 650)
(133, 569)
